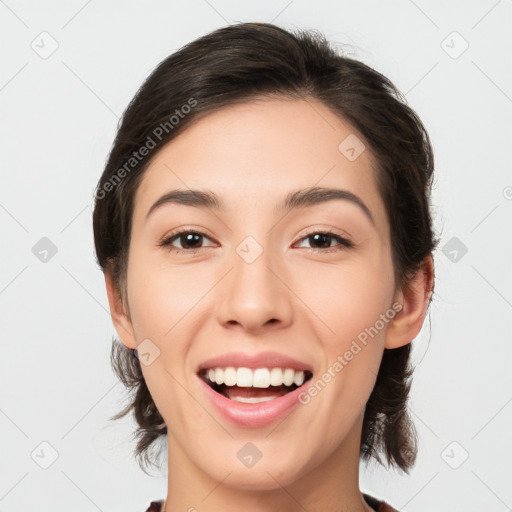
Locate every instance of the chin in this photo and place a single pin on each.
(260, 480)
(267, 474)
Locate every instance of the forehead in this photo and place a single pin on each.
(252, 154)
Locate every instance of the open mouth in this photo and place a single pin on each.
(254, 386)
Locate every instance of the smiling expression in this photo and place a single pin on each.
(252, 232)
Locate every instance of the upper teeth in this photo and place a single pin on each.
(258, 378)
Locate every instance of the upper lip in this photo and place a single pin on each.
(265, 359)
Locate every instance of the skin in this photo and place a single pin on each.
(196, 306)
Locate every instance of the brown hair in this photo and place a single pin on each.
(235, 64)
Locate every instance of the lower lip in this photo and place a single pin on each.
(253, 415)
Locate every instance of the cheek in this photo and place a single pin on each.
(160, 297)
(347, 298)
(163, 304)
(350, 307)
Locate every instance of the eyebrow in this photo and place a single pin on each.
(302, 198)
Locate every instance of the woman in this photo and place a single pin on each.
(264, 230)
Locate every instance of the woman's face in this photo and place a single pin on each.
(259, 280)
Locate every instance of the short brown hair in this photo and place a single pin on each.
(238, 63)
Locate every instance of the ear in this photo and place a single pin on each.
(120, 318)
(414, 297)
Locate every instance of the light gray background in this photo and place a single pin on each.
(58, 120)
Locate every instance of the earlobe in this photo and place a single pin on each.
(414, 297)
(120, 318)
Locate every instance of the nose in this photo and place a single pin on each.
(254, 295)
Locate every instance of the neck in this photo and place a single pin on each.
(331, 484)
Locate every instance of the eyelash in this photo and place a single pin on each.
(343, 243)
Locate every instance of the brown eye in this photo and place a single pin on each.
(323, 240)
(190, 241)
